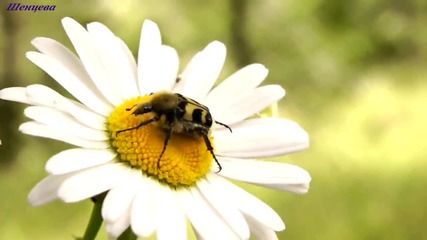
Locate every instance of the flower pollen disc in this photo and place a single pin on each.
(184, 161)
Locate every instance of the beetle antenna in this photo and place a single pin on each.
(128, 109)
(224, 125)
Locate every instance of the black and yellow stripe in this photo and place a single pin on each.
(193, 111)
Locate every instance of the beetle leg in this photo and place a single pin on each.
(168, 136)
(154, 119)
(210, 149)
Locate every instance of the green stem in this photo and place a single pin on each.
(127, 235)
(95, 220)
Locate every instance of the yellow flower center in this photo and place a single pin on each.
(184, 161)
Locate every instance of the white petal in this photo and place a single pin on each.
(115, 60)
(92, 181)
(77, 81)
(55, 119)
(16, 94)
(181, 81)
(247, 105)
(148, 64)
(45, 96)
(198, 235)
(46, 190)
(228, 212)
(247, 203)
(77, 159)
(170, 66)
(144, 217)
(166, 72)
(70, 81)
(133, 66)
(203, 218)
(172, 221)
(116, 228)
(92, 58)
(301, 188)
(264, 173)
(203, 75)
(38, 129)
(260, 231)
(120, 198)
(239, 83)
(260, 137)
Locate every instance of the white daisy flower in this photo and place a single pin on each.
(149, 194)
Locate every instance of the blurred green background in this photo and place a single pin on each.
(355, 74)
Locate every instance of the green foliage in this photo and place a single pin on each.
(355, 77)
